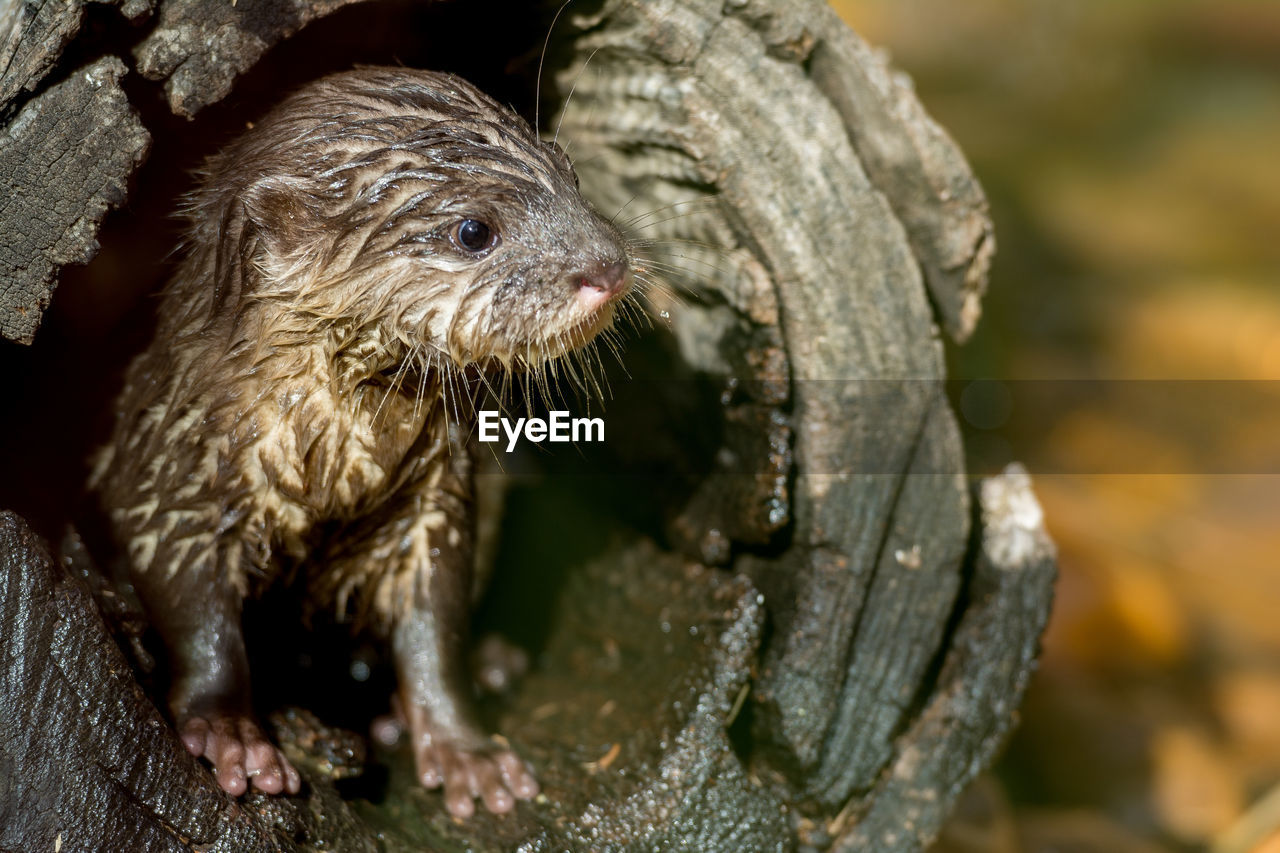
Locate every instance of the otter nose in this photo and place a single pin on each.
(607, 278)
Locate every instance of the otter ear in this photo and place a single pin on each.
(264, 217)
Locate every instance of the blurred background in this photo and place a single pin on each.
(1129, 354)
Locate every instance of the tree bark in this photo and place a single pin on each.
(65, 159)
(199, 48)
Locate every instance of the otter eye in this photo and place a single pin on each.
(474, 236)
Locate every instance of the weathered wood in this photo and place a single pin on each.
(86, 761)
(878, 464)
(64, 161)
(907, 156)
(199, 48)
(990, 660)
(33, 35)
(769, 130)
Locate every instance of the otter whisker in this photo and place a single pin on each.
(455, 376)
(506, 387)
(571, 368)
(628, 313)
(652, 289)
(498, 395)
(569, 98)
(537, 94)
(421, 394)
(553, 390)
(590, 386)
(528, 391)
(613, 340)
(633, 224)
(598, 373)
(392, 387)
(679, 260)
(613, 220)
(684, 276)
(644, 248)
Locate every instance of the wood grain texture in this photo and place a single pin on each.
(984, 675)
(65, 160)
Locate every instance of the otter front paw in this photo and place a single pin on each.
(468, 767)
(240, 754)
(497, 776)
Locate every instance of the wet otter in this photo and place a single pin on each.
(376, 239)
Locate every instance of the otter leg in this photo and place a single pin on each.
(198, 619)
(416, 563)
(449, 746)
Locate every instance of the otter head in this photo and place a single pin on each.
(408, 205)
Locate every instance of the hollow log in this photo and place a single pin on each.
(828, 633)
